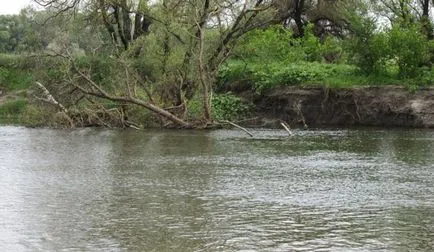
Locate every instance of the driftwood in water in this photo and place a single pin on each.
(286, 127)
(238, 126)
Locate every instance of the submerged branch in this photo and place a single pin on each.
(238, 126)
(286, 127)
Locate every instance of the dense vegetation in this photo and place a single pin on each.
(134, 63)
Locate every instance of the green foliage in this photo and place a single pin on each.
(195, 107)
(12, 107)
(271, 57)
(235, 70)
(400, 49)
(102, 68)
(228, 107)
(224, 107)
(277, 44)
(368, 49)
(278, 73)
(410, 48)
(10, 111)
(33, 116)
(272, 44)
(14, 79)
(141, 116)
(425, 77)
(311, 45)
(167, 55)
(17, 34)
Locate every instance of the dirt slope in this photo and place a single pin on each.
(373, 106)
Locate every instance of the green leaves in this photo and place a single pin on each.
(228, 107)
(410, 48)
(405, 48)
(281, 73)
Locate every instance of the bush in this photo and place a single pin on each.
(404, 48)
(13, 78)
(229, 107)
(10, 112)
(371, 54)
(278, 73)
(12, 107)
(103, 68)
(33, 116)
(272, 44)
(277, 44)
(195, 107)
(410, 48)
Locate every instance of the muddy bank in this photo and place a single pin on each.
(369, 106)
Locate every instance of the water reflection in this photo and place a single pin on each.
(321, 190)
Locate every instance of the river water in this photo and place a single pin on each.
(126, 190)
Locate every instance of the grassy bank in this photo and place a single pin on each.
(256, 73)
(272, 57)
(261, 76)
(15, 82)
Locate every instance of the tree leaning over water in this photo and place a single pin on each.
(184, 42)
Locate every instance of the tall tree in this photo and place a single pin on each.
(326, 15)
(186, 40)
(407, 12)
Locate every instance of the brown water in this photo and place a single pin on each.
(114, 190)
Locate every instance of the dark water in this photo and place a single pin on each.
(321, 190)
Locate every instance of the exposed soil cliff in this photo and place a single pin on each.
(373, 106)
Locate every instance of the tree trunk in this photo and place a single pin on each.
(299, 6)
(206, 103)
(426, 23)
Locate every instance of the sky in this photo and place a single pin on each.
(12, 6)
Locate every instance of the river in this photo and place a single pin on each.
(155, 190)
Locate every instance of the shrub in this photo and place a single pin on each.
(14, 79)
(10, 111)
(278, 73)
(33, 116)
(229, 107)
(195, 107)
(405, 48)
(272, 44)
(410, 48)
(277, 44)
(371, 53)
(426, 76)
(12, 107)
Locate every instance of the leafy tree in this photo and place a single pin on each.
(410, 48)
(17, 34)
(186, 41)
(407, 12)
(327, 16)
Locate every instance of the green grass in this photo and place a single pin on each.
(11, 111)
(16, 72)
(15, 79)
(265, 76)
(355, 79)
(9, 59)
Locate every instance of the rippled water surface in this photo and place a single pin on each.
(114, 190)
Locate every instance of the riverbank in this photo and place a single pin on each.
(388, 106)
(384, 106)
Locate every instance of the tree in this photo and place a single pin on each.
(17, 34)
(186, 41)
(407, 12)
(326, 15)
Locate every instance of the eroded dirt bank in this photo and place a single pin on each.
(370, 106)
